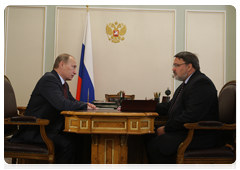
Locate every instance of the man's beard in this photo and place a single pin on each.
(182, 78)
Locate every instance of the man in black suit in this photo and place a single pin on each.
(194, 100)
(47, 101)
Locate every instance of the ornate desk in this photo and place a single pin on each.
(109, 129)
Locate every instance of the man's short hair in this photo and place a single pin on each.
(62, 57)
(189, 57)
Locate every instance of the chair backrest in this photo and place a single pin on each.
(10, 106)
(228, 108)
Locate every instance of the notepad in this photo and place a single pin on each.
(138, 105)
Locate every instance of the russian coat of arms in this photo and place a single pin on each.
(116, 31)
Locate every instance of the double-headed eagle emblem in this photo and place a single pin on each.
(115, 32)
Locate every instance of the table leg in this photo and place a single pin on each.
(109, 149)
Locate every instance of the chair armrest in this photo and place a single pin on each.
(210, 125)
(21, 110)
(30, 120)
(183, 146)
(25, 120)
(207, 125)
(192, 126)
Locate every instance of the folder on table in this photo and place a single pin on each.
(138, 105)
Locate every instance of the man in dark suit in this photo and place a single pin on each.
(194, 100)
(47, 101)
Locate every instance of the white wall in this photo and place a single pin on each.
(24, 49)
(206, 36)
(140, 65)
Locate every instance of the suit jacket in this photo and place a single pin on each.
(197, 102)
(46, 102)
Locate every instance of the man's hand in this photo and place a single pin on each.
(91, 106)
(160, 131)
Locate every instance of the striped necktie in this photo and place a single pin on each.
(177, 97)
(65, 90)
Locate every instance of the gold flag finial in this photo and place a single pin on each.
(87, 8)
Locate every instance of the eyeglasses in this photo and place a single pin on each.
(178, 65)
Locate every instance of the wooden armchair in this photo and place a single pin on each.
(9, 130)
(11, 122)
(227, 125)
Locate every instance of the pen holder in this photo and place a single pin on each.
(157, 99)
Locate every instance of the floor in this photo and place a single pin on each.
(7, 163)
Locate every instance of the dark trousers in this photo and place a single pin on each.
(154, 155)
(162, 149)
(68, 148)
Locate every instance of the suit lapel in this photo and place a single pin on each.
(197, 72)
(59, 80)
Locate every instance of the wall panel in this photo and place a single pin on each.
(24, 48)
(140, 64)
(205, 36)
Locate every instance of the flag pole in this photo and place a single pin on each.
(85, 86)
(87, 8)
(88, 96)
(88, 88)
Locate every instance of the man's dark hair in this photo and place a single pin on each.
(189, 57)
(62, 57)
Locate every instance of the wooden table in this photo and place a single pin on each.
(109, 129)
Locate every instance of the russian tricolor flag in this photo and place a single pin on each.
(85, 86)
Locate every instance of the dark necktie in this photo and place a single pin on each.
(65, 90)
(177, 97)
